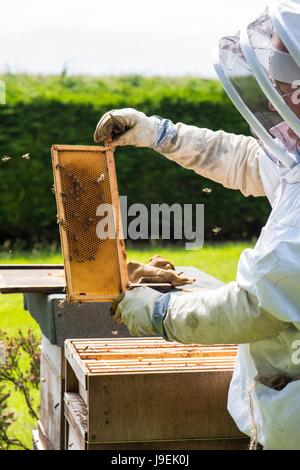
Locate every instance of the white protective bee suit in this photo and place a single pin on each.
(261, 309)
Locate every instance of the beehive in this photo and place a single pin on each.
(85, 178)
(147, 393)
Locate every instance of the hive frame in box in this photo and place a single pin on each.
(121, 284)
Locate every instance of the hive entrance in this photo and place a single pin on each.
(84, 178)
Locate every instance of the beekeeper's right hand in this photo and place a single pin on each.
(131, 127)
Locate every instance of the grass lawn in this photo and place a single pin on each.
(217, 260)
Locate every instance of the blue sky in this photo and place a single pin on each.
(156, 37)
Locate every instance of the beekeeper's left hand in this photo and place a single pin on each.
(135, 309)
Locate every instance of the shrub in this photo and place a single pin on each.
(41, 111)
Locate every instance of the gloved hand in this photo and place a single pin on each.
(159, 270)
(160, 262)
(135, 309)
(131, 127)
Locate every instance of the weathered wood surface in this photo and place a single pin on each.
(77, 434)
(51, 415)
(50, 278)
(31, 278)
(76, 416)
(37, 443)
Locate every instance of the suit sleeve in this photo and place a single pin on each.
(225, 315)
(229, 159)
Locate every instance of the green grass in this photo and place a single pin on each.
(217, 260)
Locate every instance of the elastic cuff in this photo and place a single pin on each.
(165, 134)
(159, 313)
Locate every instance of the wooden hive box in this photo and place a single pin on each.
(148, 394)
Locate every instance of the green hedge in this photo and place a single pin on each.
(41, 111)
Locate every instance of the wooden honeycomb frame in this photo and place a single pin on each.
(85, 177)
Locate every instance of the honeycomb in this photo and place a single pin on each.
(84, 178)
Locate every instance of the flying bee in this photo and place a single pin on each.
(216, 230)
(6, 159)
(207, 190)
(26, 156)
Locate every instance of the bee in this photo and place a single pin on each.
(216, 230)
(59, 165)
(89, 221)
(5, 159)
(26, 156)
(56, 406)
(101, 178)
(115, 332)
(207, 190)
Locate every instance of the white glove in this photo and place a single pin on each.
(131, 127)
(136, 311)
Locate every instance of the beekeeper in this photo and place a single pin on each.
(260, 71)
